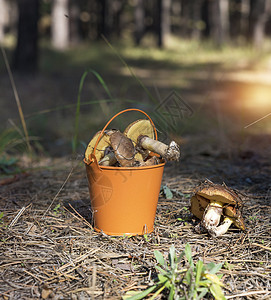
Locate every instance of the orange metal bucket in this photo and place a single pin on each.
(123, 199)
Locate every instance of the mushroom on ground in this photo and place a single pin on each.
(211, 201)
(123, 148)
(169, 152)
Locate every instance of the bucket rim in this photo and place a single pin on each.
(126, 168)
(122, 233)
(132, 168)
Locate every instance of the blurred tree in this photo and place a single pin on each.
(185, 18)
(117, 7)
(103, 20)
(109, 18)
(74, 22)
(196, 19)
(244, 17)
(259, 13)
(3, 16)
(26, 52)
(139, 13)
(60, 24)
(163, 22)
(219, 21)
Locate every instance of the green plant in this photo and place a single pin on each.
(56, 209)
(168, 192)
(1, 218)
(11, 141)
(8, 165)
(146, 237)
(193, 282)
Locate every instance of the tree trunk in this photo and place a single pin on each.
(26, 53)
(163, 22)
(196, 16)
(117, 7)
(103, 19)
(74, 22)
(185, 18)
(159, 23)
(166, 22)
(139, 21)
(258, 18)
(3, 16)
(244, 24)
(60, 24)
(219, 21)
(224, 20)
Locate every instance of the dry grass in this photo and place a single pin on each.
(56, 253)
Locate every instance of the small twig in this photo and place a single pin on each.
(15, 220)
(61, 188)
(80, 217)
(78, 259)
(88, 289)
(258, 120)
(94, 277)
(16, 286)
(247, 294)
(261, 246)
(27, 272)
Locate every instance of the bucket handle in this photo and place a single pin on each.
(121, 112)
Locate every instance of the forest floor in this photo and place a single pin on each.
(48, 247)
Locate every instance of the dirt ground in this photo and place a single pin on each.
(51, 251)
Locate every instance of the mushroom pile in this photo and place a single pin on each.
(132, 148)
(217, 206)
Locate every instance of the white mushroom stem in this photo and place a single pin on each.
(221, 229)
(108, 160)
(169, 152)
(212, 215)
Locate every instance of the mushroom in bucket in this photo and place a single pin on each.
(133, 147)
(213, 202)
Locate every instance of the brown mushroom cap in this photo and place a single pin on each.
(104, 142)
(123, 148)
(198, 206)
(137, 128)
(216, 192)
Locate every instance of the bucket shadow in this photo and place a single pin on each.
(79, 208)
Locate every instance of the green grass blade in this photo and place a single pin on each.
(159, 257)
(141, 295)
(157, 292)
(98, 76)
(172, 256)
(217, 292)
(78, 105)
(18, 102)
(188, 255)
(199, 268)
(214, 268)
